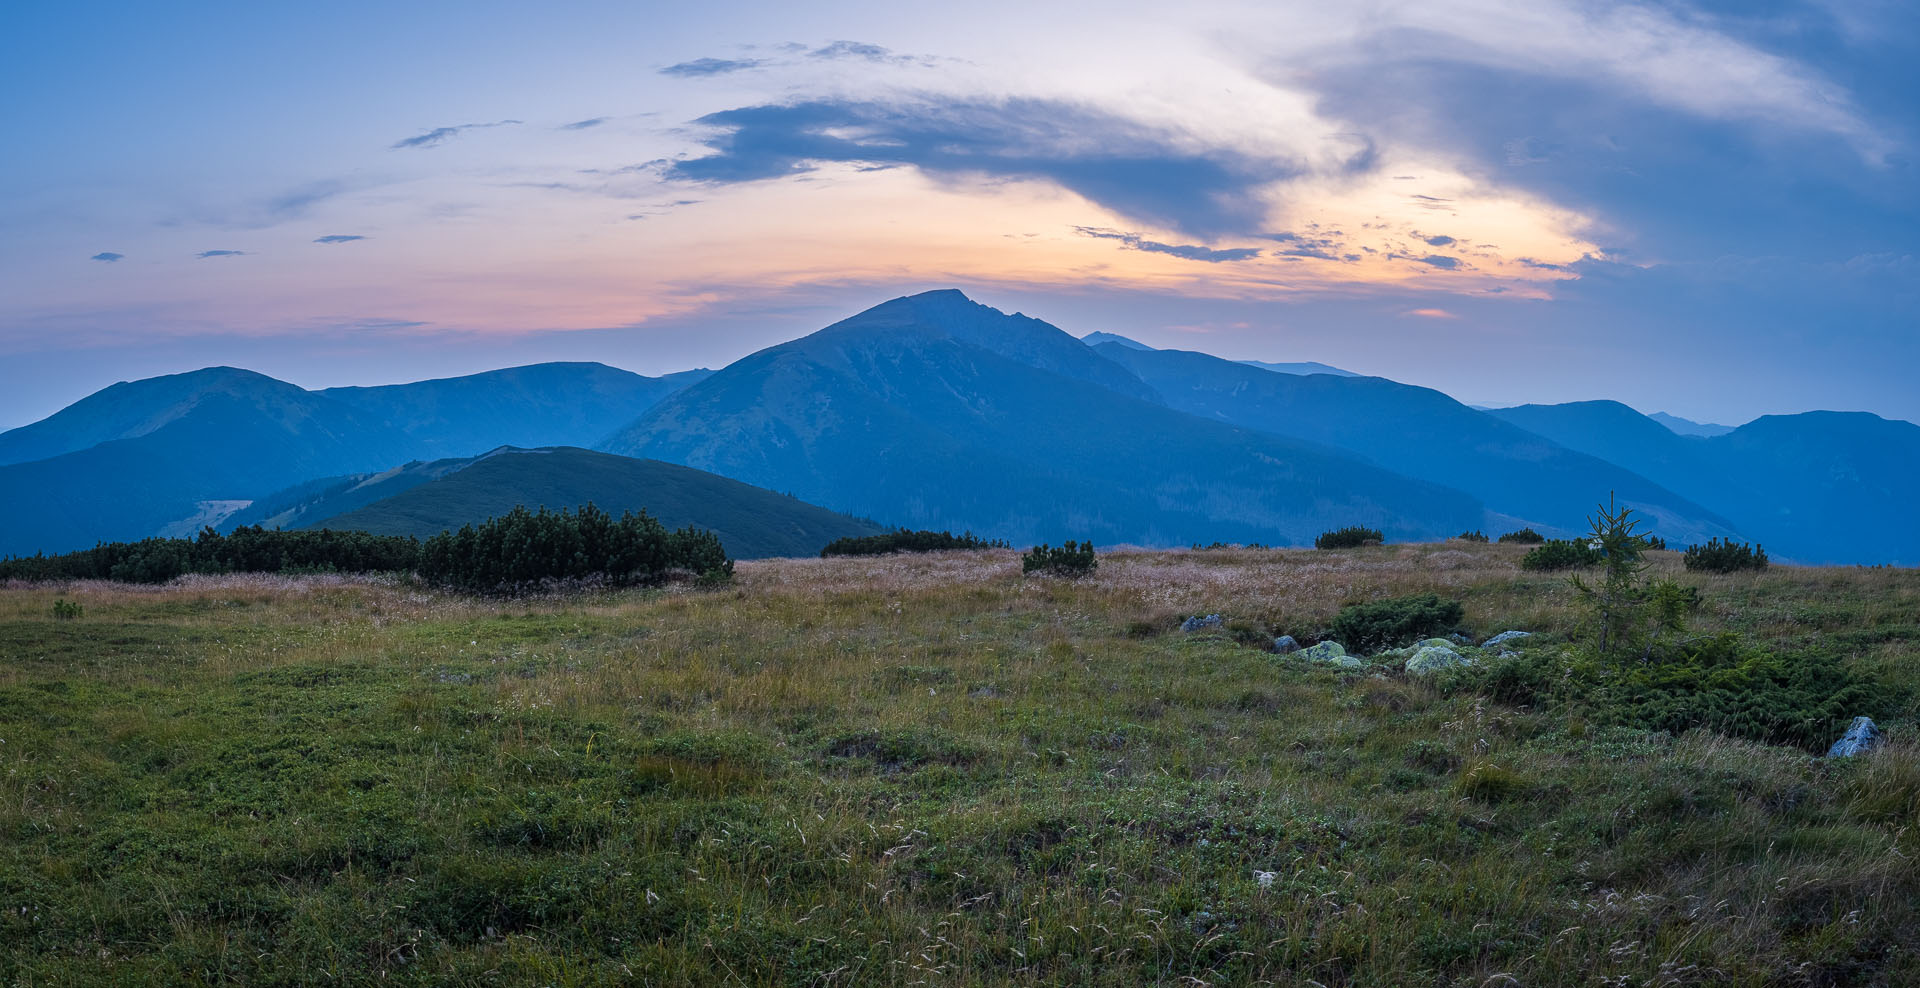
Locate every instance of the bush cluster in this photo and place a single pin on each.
(67, 610)
(1394, 622)
(1554, 554)
(524, 550)
(1070, 559)
(1525, 536)
(1474, 536)
(903, 540)
(1351, 537)
(246, 550)
(1725, 557)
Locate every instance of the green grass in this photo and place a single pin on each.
(919, 770)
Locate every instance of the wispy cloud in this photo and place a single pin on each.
(584, 124)
(220, 253)
(107, 256)
(338, 238)
(1191, 252)
(1431, 313)
(1440, 261)
(440, 135)
(702, 67)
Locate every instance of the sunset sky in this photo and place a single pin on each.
(1712, 210)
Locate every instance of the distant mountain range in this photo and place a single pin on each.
(936, 411)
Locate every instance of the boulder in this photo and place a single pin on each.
(1433, 643)
(1861, 736)
(1433, 658)
(1504, 637)
(1285, 645)
(1207, 623)
(1332, 653)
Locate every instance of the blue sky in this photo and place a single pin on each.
(1712, 209)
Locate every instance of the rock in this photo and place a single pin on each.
(1332, 653)
(1460, 639)
(1285, 645)
(1207, 623)
(1861, 736)
(1433, 643)
(1432, 659)
(1504, 637)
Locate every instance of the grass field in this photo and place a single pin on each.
(923, 770)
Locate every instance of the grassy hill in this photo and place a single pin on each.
(930, 769)
(752, 523)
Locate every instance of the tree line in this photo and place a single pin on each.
(515, 552)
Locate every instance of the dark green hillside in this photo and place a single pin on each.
(751, 522)
(554, 404)
(937, 412)
(302, 504)
(1419, 432)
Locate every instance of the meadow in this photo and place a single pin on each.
(926, 770)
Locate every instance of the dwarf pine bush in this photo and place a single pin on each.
(1395, 621)
(903, 540)
(523, 550)
(1525, 536)
(1351, 537)
(1474, 536)
(1557, 554)
(1725, 557)
(1071, 559)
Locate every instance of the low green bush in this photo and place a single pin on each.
(1394, 622)
(1555, 554)
(67, 610)
(1725, 557)
(1525, 536)
(1070, 559)
(1351, 537)
(905, 540)
(1474, 536)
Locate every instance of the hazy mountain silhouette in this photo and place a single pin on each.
(1419, 432)
(751, 522)
(555, 404)
(1814, 487)
(1688, 427)
(936, 411)
(1303, 367)
(246, 436)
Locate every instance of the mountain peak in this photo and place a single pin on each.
(1095, 339)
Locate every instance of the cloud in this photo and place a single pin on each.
(1146, 173)
(1431, 313)
(440, 135)
(107, 256)
(220, 253)
(1437, 241)
(296, 202)
(584, 124)
(702, 67)
(853, 49)
(1440, 261)
(338, 238)
(1191, 252)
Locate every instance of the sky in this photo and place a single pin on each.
(1706, 209)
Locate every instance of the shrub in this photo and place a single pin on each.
(1351, 537)
(1525, 536)
(1474, 536)
(524, 550)
(1555, 554)
(245, 550)
(904, 540)
(1725, 557)
(1722, 684)
(1071, 559)
(66, 610)
(1395, 621)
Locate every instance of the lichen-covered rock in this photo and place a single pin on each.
(1433, 658)
(1862, 735)
(1332, 653)
(1285, 645)
(1207, 623)
(1434, 643)
(1504, 637)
